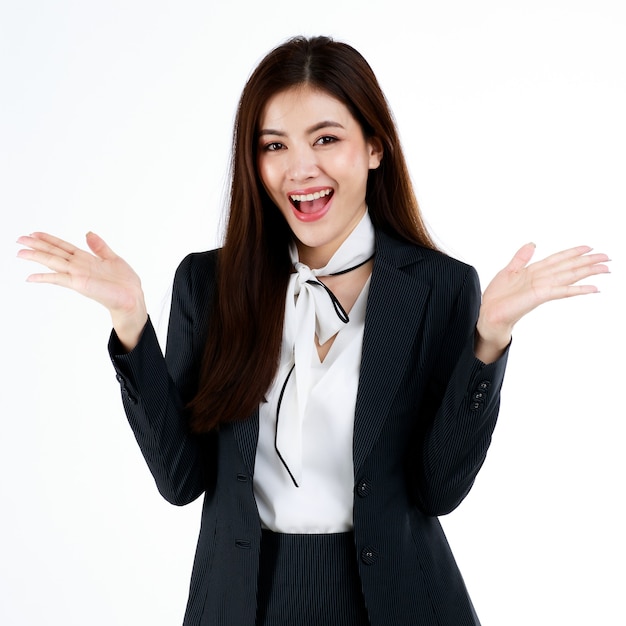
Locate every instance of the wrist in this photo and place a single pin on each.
(491, 341)
(129, 324)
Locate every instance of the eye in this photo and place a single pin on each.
(273, 146)
(325, 140)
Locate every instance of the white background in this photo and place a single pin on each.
(116, 117)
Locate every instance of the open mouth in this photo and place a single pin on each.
(311, 204)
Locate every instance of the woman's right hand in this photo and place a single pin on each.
(102, 276)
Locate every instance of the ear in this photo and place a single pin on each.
(375, 147)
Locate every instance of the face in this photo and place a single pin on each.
(314, 160)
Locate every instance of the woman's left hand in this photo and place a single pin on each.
(519, 288)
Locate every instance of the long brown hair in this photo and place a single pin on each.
(244, 337)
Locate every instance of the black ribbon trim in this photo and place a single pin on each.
(343, 316)
(280, 400)
(341, 312)
(354, 267)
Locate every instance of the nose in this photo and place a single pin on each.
(302, 163)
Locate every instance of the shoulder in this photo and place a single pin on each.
(449, 286)
(194, 280)
(196, 272)
(198, 264)
(429, 266)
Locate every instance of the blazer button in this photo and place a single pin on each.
(484, 385)
(364, 489)
(121, 381)
(369, 556)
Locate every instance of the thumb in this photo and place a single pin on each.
(522, 258)
(99, 247)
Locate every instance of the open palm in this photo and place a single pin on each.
(102, 276)
(522, 286)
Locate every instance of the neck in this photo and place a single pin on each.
(313, 257)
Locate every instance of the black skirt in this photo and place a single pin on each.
(309, 580)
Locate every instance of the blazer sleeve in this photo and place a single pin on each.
(461, 404)
(155, 390)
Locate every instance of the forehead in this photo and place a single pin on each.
(303, 106)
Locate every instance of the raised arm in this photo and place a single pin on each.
(154, 397)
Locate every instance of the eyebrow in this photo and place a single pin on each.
(311, 129)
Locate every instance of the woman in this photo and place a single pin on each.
(331, 380)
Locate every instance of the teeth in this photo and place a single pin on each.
(307, 197)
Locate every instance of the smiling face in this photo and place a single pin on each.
(314, 160)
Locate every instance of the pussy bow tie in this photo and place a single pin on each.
(312, 309)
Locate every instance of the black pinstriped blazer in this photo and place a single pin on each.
(425, 412)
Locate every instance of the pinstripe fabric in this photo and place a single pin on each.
(425, 413)
(309, 580)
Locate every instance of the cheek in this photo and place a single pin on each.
(356, 165)
(266, 174)
(272, 183)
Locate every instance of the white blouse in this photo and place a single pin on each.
(322, 503)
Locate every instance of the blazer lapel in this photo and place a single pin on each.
(394, 311)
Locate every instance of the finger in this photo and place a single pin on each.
(563, 284)
(54, 253)
(574, 274)
(568, 291)
(522, 258)
(51, 241)
(51, 278)
(99, 247)
(52, 260)
(597, 257)
(573, 269)
(564, 256)
(580, 290)
(590, 265)
(32, 243)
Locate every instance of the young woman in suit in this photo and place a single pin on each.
(331, 380)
